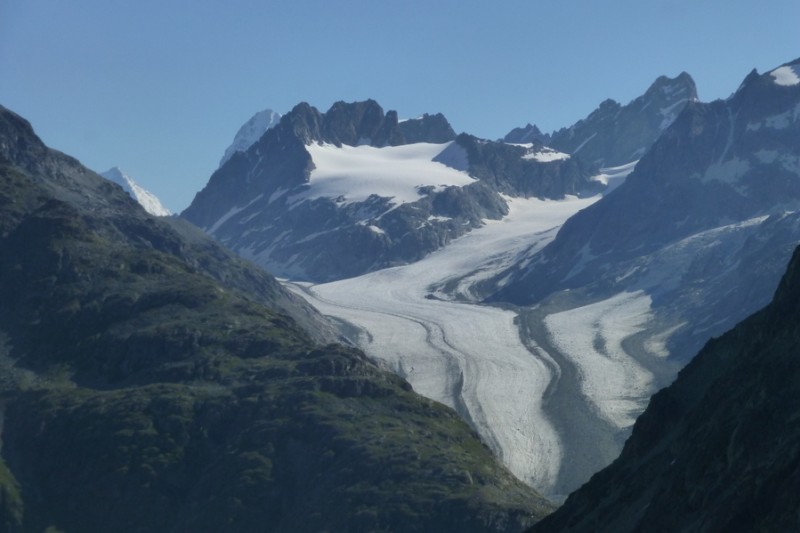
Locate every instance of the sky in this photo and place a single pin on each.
(159, 88)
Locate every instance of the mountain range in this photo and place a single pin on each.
(325, 196)
(616, 134)
(628, 290)
(715, 450)
(704, 224)
(544, 287)
(153, 381)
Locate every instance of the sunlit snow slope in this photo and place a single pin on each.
(465, 355)
(354, 173)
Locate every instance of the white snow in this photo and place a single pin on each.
(354, 173)
(250, 132)
(728, 172)
(779, 121)
(146, 199)
(613, 177)
(465, 355)
(670, 113)
(231, 212)
(546, 155)
(592, 136)
(591, 337)
(787, 75)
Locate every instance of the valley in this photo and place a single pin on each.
(511, 383)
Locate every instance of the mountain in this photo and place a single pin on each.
(325, 196)
(250, 132)
(152, 381)
(616, 134)
(700, 220)
(146, 199)
(530, 133)
(716, 450)
(635, 284)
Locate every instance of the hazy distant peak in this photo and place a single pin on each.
(681, 87)
(146, 199)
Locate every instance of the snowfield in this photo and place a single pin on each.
(418, 321)
(354, 173)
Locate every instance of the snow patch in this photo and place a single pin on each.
(613, 177)
(592, 136)
(546, 155)
(232, 212)
(767, 156)
(786, 76)
(728, 172)
(670, 113)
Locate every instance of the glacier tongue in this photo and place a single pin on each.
(468, 356)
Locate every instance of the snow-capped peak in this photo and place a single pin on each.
(146, 199)
(250, 132)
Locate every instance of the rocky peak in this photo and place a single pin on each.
(427, 128)
(530, 133)
(359, 123)
(680, 87)
(615, 134)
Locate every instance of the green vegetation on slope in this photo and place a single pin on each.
(145, 387)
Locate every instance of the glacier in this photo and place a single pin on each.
(423, 321)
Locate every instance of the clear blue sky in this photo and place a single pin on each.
(159, 88)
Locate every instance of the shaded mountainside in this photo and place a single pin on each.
(702, 224)
(153, 382)
(719, 449)
(317, 196)
(616, 134)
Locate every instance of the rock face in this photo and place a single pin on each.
(151, 381)
(616, 134)
(702, 225)
(530, 133)
(323, 196)
(714, 451)
(146, 199)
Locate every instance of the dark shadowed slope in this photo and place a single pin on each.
(152, 382)
(719, 449)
